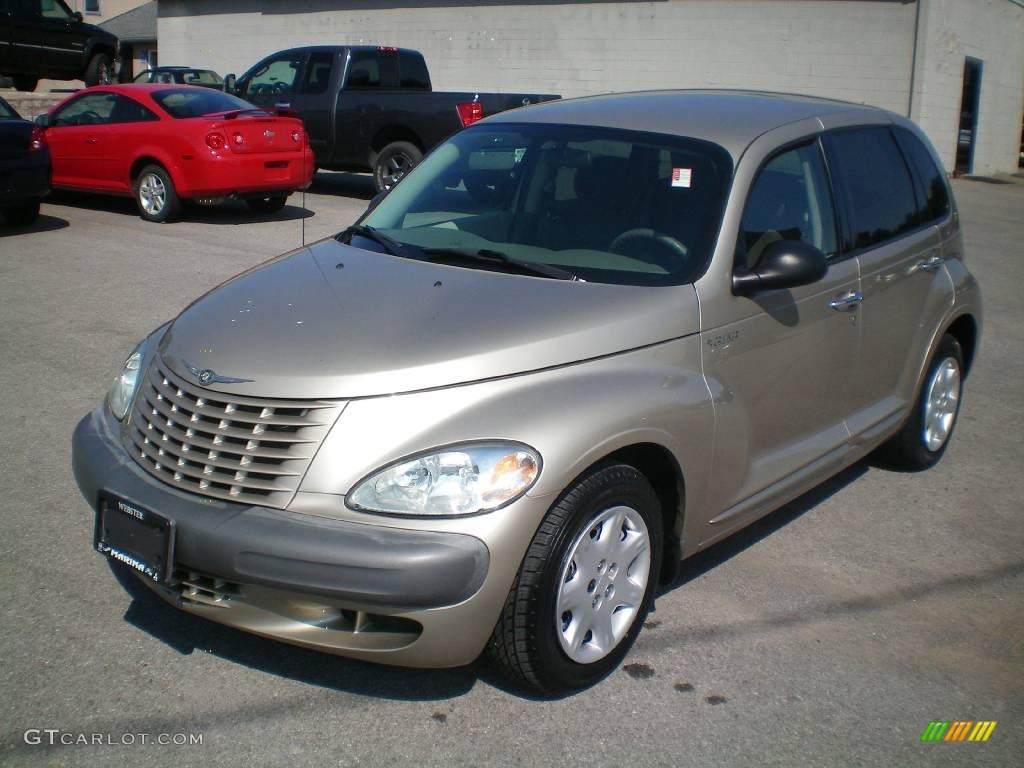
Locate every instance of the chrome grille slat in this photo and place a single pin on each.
(215, 429)
(242, 449)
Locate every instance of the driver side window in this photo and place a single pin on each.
(278, 77)
(91, 109)
(789, 200)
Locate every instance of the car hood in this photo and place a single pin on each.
(333, 321)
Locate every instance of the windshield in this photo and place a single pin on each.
(606, 205)
(188, 102)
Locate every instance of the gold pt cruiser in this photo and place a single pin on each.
(579, 342)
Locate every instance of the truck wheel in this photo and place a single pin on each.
(25, 83)
(393, 162)
(99, 71)
(585, 585)
(155, 195)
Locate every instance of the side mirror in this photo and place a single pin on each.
(783, 264)
(77, 16)
(230, 83)
(43, 120)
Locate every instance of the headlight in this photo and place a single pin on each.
(119, 398)
(460, 480)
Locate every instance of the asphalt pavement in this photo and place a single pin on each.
(830, 633)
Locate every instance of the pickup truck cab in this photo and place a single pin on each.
(48, 40)
(367, 108)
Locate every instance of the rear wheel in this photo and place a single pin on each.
(155, 195)
(270, 204)
(393, 162)
(23, 214)
(25, 83)
(585, 585)
(99, 71)
(923, 439)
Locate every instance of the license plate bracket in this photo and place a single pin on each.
(136, 536)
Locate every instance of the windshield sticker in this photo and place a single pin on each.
(681, 177)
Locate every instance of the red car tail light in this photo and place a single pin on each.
(470, 112)
(37, 141)
(215, 140)
(238, 138)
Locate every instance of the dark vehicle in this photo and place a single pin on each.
(368, 108)
(206, 78)
(46, 39)
(24, 167)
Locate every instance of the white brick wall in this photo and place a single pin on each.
(846, 49)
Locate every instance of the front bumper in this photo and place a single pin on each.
(361, 590)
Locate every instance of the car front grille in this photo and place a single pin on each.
(244, 449)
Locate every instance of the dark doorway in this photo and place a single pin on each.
(968, 132)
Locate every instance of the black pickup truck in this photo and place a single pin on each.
(367, 108)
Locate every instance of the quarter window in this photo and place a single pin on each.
(790, 200)
(876, 183)
(931, 181)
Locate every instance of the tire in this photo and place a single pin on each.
(270, 204)
(25, 83)
(393, 162)
(155, 195)
(23, 214)
(545, 640)
(927, 432)
(99, 71)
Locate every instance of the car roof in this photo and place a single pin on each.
(130, 88)
(336, 48)
(730, 118)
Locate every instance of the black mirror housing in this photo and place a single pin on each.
(784, 264)
(43, 120)
(230, 82)
(77, 16)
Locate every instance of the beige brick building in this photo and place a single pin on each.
(910, 56)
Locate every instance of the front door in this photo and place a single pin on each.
(787, 370)
(79, 142)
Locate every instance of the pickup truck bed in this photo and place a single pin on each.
(368, 108)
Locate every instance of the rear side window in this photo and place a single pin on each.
(413, 72)
(789, 200)
(130, 111)
(370, 70)
(931, 181)
(876, 183)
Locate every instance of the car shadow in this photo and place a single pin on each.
(339, 183)
(189, 634)
(44, 223)
(230, 212)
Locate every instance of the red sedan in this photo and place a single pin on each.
(162, 144)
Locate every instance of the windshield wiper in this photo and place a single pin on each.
(487, 256)
(391, 245)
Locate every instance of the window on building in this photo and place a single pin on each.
(92, 7)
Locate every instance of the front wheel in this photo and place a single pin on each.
(99, 71)
(585, 585)
(155, 195)
(923, 439)
(393, 162)
(270, 204)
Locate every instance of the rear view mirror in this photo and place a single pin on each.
(43, 120)
(77, 16)
(784, 264)
(230, 82)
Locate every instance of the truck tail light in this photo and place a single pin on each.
(37, 141)
(470, 112)
(215, 140)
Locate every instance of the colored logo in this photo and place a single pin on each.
(958, 730)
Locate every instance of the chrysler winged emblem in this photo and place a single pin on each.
(209, 376)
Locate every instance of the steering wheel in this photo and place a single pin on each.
(280, 88)
(89, 118)
(654, 247)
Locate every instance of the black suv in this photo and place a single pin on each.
(45, 38)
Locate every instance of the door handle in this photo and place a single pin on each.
(91, 140)
(847, 302)
(929, 264)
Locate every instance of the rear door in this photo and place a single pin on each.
(364, 106)
(899, 251)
